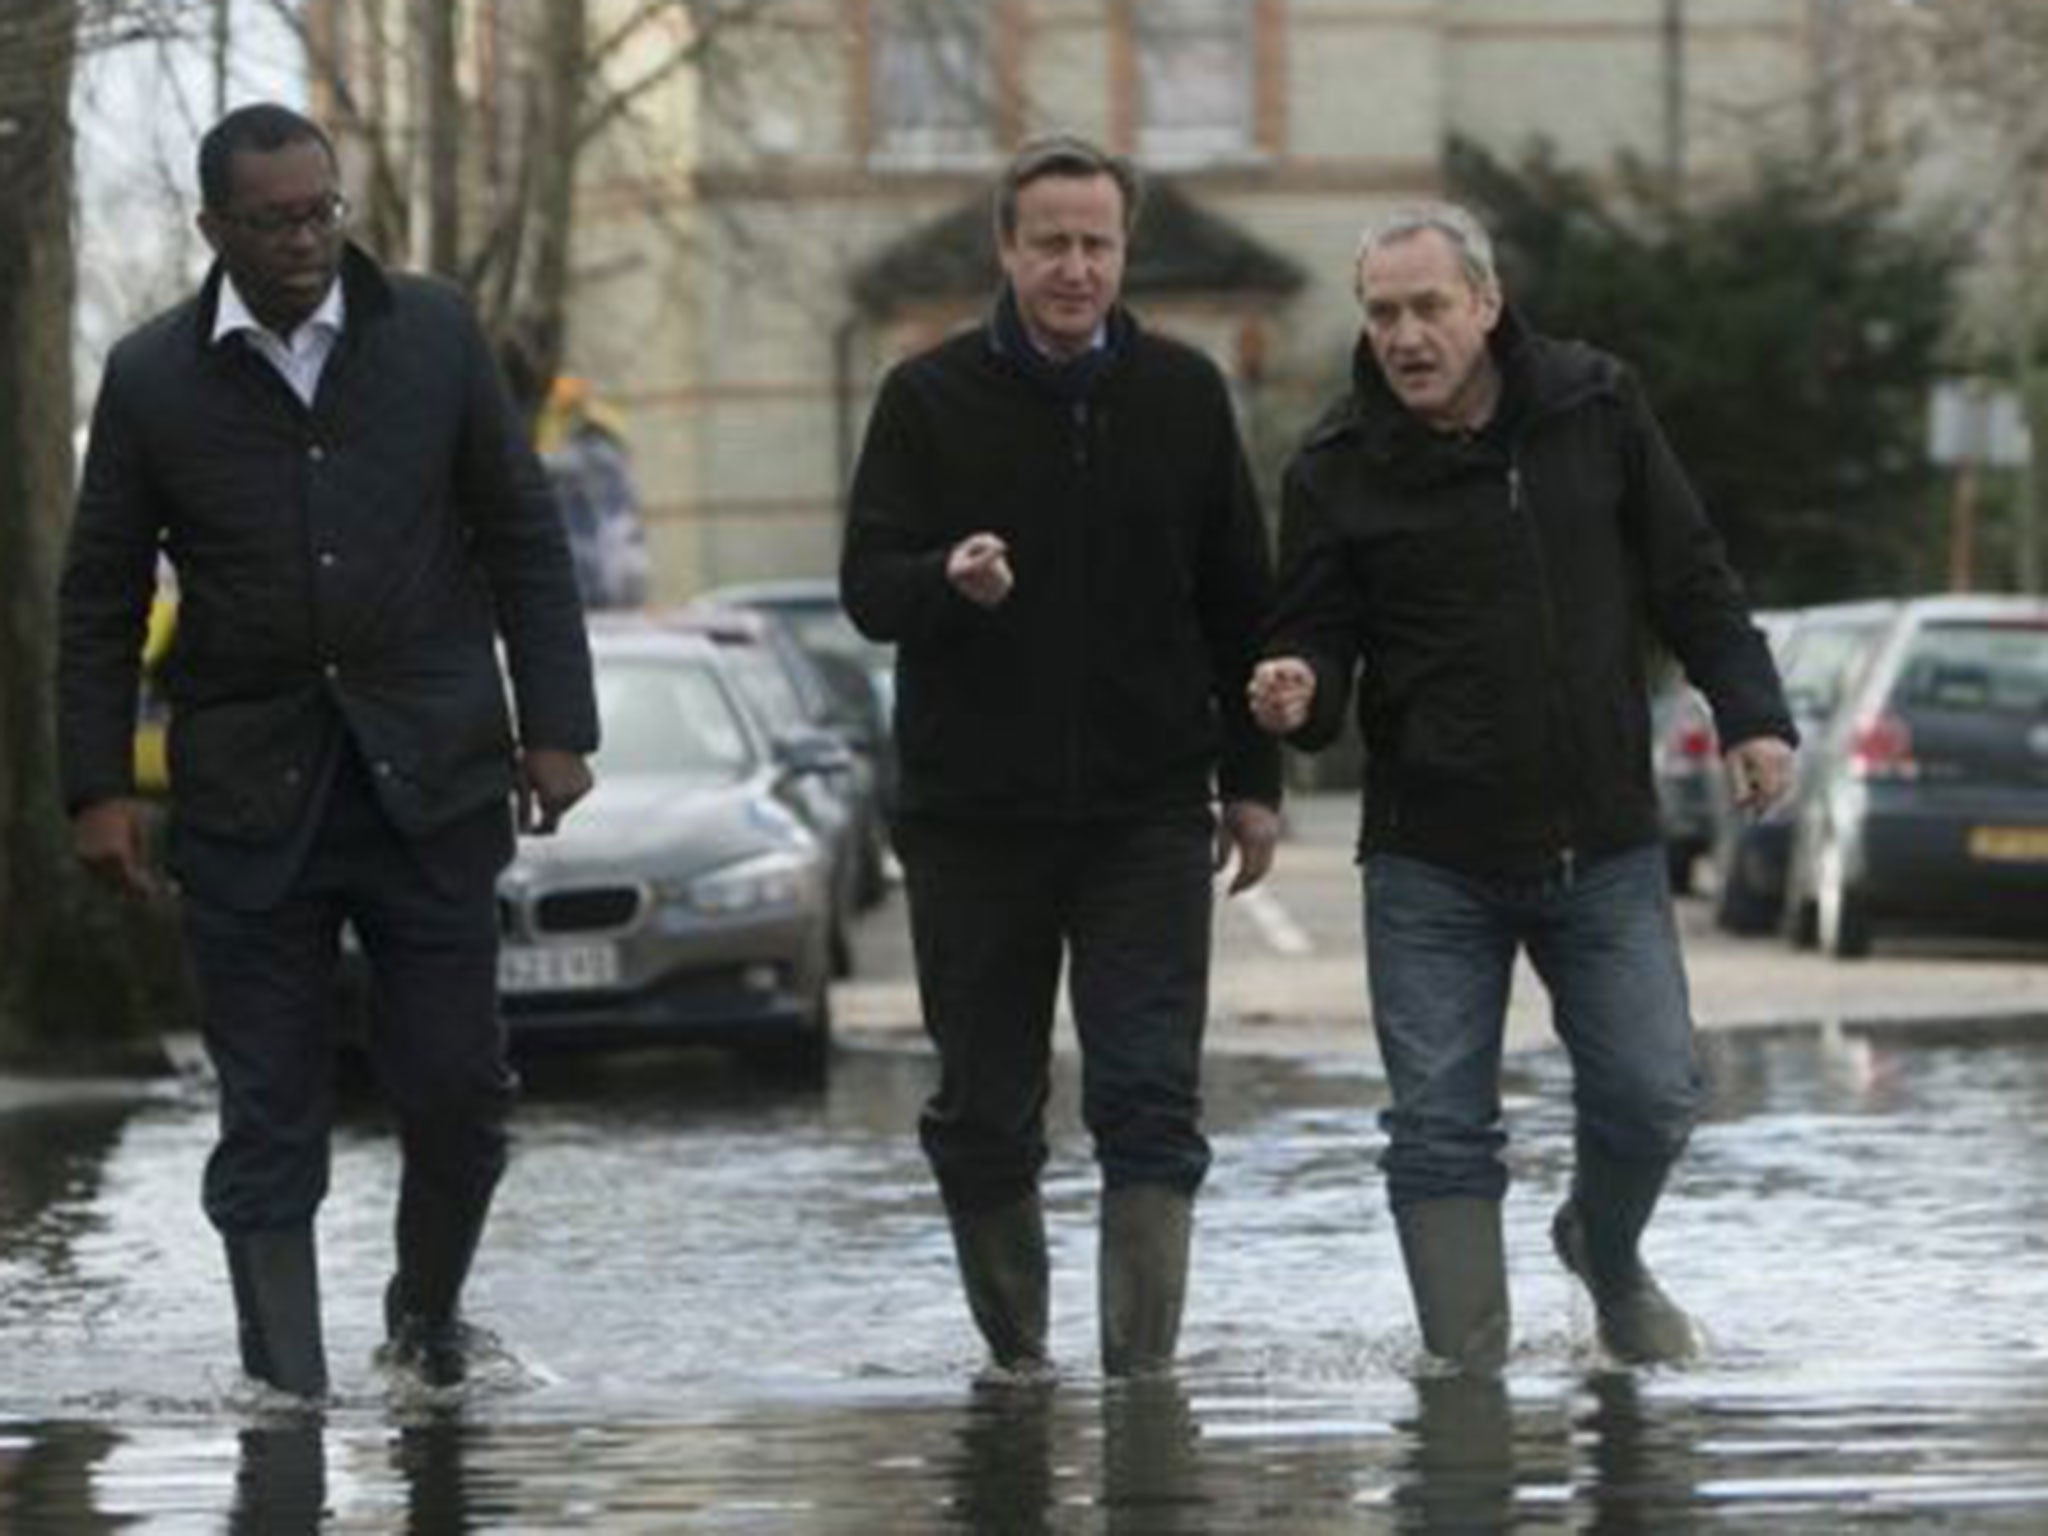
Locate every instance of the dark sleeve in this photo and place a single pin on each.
(1234, 586)
(1316, 611)
(892, 564)
(108, 578)
(1696, 602)
(521, 544)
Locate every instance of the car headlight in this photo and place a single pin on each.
(767, 880)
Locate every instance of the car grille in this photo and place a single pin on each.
(592, 909)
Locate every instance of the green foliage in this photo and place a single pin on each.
(1787, 335)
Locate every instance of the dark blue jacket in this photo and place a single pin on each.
(352, 566)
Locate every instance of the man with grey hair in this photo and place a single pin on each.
(1053, 519)
(1480, 536)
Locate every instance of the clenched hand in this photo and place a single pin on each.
(1281, 690)
(979, 568)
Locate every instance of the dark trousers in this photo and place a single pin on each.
(267, 983)
(994, 911)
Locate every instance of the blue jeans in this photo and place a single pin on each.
(996, 912)
(1440, 953)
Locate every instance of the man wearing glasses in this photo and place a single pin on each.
(326, 454)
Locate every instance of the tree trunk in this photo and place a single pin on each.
(73, 964)
(533, 337)
(437, 222)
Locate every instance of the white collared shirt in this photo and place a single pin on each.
(301, 357)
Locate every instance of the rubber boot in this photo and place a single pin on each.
(1457, 1274)
(438, 1233)
(1142, 1274)
(1596, 1233)
(275, 1275)
(1005, 1272)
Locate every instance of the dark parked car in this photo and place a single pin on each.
(1817, 650)
(863, 671)
(782, 687)
(1685, 763)
(686, 900)
(1925, 803)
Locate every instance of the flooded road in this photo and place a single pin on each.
(729, 1309)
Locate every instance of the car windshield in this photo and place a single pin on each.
(756, 671)
(1979, 667)
(826, 628)
(666, 717)
(1820, 658)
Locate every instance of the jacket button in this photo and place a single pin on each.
(291, 775)
(327, 559)
(383, 769)
(315, 452)
(332, 670)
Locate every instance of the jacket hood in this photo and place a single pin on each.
(1538, 374)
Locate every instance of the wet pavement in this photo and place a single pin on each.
(726, 1308)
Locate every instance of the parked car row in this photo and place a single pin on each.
(1921, 798)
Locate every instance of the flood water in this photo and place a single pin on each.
(731, 1309)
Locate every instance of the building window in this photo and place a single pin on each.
(1194, 78)
(932, 82)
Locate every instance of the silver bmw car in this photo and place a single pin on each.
(685, 901)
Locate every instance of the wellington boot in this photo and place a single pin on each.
(1005, 1272)
(1458, 1276)
(438, 1232)
(1142, 1275)
(1596, 1233)
(275, 1275)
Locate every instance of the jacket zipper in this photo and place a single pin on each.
(1560, 715)
(1077, 669)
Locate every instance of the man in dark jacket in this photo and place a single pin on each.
(1053, 519)
(325, 454)
(1483, 532)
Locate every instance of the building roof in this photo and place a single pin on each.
(1178, 247)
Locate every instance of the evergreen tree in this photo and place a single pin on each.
(1788, 336)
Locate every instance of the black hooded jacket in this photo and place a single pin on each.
(1492, 594)
(1111, 682)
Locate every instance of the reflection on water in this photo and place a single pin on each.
(735, 1311)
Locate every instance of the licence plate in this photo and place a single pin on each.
(2010, 845)
(557, 967)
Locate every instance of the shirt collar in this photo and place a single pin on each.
(233, 314)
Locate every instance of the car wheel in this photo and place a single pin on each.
(804, 1059)
(1740, 908)
(874, 869)
(841, 957)
(1841, 917)
(1678, 862)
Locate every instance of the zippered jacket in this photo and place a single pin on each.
(1110, 683)
(1491, 596)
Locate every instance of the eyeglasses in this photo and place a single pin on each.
(322, 217)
